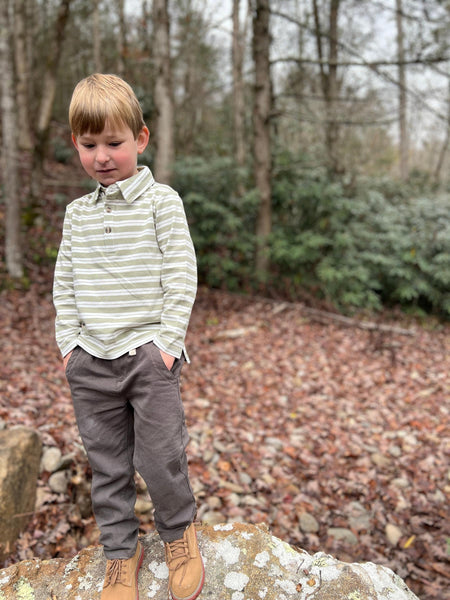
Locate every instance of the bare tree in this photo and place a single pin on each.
(446, 141)
(402, 91)
(261, 125)
(121, 38)
(163, 97)
(237, 57)
(96, 37)
(22, 65)
(329, 80)
(13, 254)
(48, 95)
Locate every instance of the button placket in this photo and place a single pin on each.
(107, 221)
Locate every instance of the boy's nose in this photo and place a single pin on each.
(102, 155)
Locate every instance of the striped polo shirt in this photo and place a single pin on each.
(126, 270)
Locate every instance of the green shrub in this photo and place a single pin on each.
(366, 250)
(371, 245)
(221, 223)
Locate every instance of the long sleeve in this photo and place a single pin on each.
(67, 324)
(178, 273)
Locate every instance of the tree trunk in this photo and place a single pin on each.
(261, 125)
(237, 56)
(403, 131)
(332, 131)
(445, 143)
(48, 97)
(13, 253)
(96, 41)
(121, 38)
(22, 74)
(329, 83)
(164, 122)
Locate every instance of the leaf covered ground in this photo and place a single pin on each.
(336, 437)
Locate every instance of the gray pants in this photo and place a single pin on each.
(130, 417)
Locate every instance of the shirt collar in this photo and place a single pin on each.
(127, 190)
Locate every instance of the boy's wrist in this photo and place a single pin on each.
(167, 358)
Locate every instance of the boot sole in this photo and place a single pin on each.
(197, 591)
(141, 558)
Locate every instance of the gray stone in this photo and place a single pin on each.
(143, 505)
(51, 459)
(393, 534)
(308, 523)
(20, 455)
(343, 535)
(241, 562)
(359, 518)
(58, 482)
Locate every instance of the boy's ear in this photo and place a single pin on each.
(74, 141)
(142, 139)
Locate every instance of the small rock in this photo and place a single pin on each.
(51, 459)
(214, 502)
(143, 505)
(58, 482)
(213, 517)
(400, 482)
(208, 455)
(274, 442)
(308, 523)
(380, 460)
(395, 451)
(393, 534)
(359, 517)
(245, 478)
(234, 499)
(342, 534)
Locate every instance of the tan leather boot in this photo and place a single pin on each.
(186, 570)
(121, 578)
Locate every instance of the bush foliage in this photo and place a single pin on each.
(370, 244)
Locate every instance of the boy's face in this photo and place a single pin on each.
(111, 155)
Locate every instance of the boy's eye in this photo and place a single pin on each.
(88, 145)
(115, 144)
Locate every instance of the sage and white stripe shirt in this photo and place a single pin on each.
(126, 270)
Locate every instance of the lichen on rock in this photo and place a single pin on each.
(242, 562)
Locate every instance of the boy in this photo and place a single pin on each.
(125, 282)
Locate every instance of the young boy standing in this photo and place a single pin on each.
(125, 282)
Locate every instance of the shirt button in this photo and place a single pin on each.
(107, 229)
(108, 209)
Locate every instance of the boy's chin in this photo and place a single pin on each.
(107, 178)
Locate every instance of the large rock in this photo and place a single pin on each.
(243, 562)
(20, 455)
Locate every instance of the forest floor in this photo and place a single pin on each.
(335, 436)
(288, 417)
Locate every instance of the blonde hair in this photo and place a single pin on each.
(99, 98)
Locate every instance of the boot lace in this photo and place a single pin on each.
(178, 552)
(116, 569)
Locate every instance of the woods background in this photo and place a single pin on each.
(308, 138)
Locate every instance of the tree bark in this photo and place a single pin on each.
(121, 38)
(13, 255)
(261, 125)
(22, 73)
(402, 119)
(329, 82)
(445, 143)
(163, 95)
(237, 56)
(96, 37)
(48, 97)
